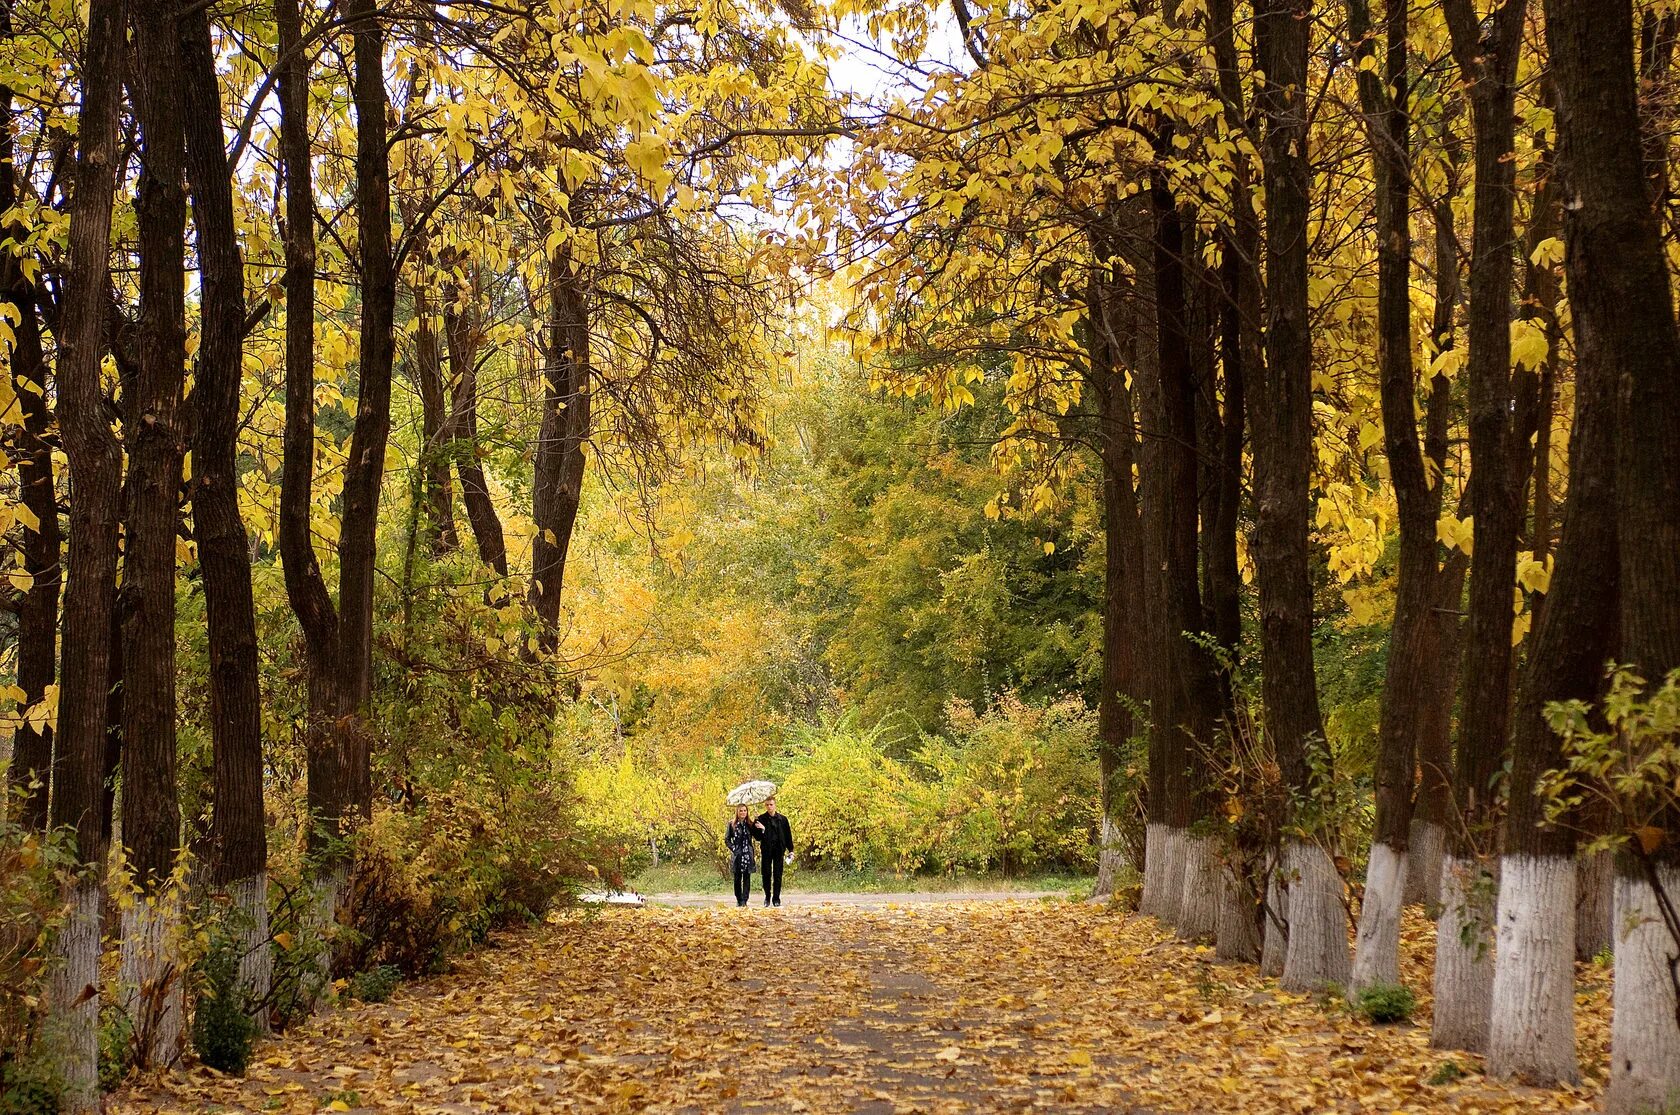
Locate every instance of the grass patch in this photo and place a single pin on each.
(703, 878)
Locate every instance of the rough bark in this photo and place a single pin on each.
(1614, 244)
(1282, 435)
(557, 491)
(1486, 52)
(238, 849)
(95, 464)
(461, 332)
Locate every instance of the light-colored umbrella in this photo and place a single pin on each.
(751, 793)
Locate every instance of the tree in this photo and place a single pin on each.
(1619, 291)
(95, 463)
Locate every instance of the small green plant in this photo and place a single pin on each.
(223, 1031)
(1605, 957)
(376, 984)
(1385, 1002)
(116, 1046)
(349, 1097)
(1448, 1072)
(30, 1084)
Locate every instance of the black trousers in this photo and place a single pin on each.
(743, 884)
(773, 877)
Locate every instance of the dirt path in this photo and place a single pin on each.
(724, 901)
(935, 1006)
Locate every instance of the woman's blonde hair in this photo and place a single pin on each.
(741, 809)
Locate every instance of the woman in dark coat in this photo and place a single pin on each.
(738, 838)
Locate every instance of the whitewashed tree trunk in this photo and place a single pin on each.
(1154, 868)
(151, 978)
(1111, 860)
(1318, 942)
(1238, 935)
(1644, 1033)
(1463, 957)
(1428, 846)
(248, 902)
(329, 886)
(1595, 904)
(1276, 930)
(1532, 1028)
(1198, 918)
(1376, 956)
(75, 1007)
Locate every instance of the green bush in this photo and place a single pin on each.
(854, 806)
(376, 984)
(30, 1084)
(116, 1046)
(33, 872)
(223, 1031)
(1385, 1002)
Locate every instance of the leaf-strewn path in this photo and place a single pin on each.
(1001, 1006)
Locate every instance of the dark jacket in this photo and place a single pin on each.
(777, 836)
(738, 838)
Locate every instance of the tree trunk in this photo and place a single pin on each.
(95, 464)
(1387, 112)
(156, 443)
(1486, 52)
(1283, 425)
(1533, 1032)
(558, 483)
(1117, 441)
(30, 774)
(461, 331)
(1619, 294)
(238, 853)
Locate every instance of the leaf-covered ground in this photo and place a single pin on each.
(933, 1007)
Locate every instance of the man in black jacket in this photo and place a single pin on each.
(776, 837)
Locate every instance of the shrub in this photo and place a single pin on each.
(33, 872)
(858, 808)
(1385, 1002)
(30, 1084)
(223, 1031)
(376, 984)
(116, 1046)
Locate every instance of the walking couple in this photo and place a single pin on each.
(772, 830)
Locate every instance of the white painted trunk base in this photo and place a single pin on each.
(1154, 868)
(1644, 1037)
(1275, 932)
(1198, 918)
(1428, 848)
(151, 979)
(1111, 860)
(75, 1005)
(329, 888)
(248, 907)
(1376, 956)
(1238, 935)
(1318, 940)
(1595, 904)
(1531, 1033)
(1172, 877)
(1463, 957)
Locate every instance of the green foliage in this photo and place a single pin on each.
(376, 984)
(1624, 759)
(31, 1084)
(1017, 786)
(116, 1046)
(33, 871)
(1385, 1002)
(223, 1031)
(857, 807)
(1447, 1073)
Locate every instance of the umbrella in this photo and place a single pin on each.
(751, 793)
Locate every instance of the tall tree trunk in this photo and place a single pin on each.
(1619, 292)
(439, 500)
(1317, 953)
(1184, 690)
(95, 464)
(558, 484)
(1385, 104)
(1117, 442)
(30, 774)
(461, 326)
(1242, 355)
(238, 855)
(1486, 53)
(156, 444)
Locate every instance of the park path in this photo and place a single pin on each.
(934, 1006)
